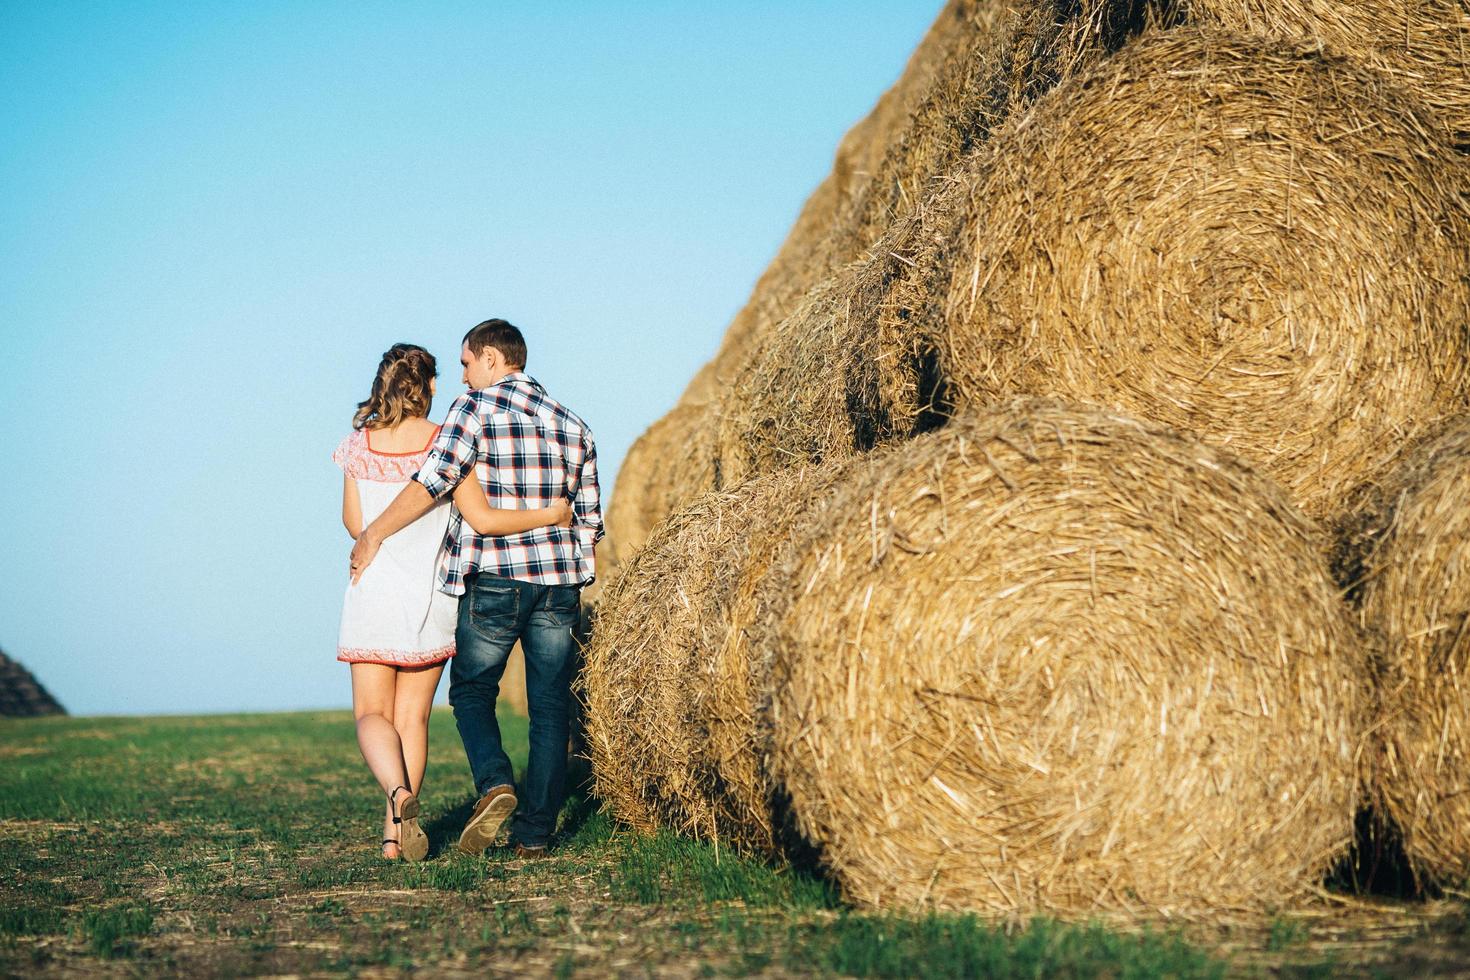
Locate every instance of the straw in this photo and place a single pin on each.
(1413, 580)
(1252, 241)
(1050, 659)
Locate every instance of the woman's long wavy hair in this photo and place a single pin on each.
(401, 389)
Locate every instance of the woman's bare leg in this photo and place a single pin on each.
(374, 691)
(413, 700)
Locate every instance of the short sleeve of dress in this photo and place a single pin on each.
(347, 451)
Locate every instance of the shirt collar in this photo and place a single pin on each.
(518, 377)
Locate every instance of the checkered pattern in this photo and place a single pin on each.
(527, 450)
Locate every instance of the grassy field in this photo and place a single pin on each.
(248, 845)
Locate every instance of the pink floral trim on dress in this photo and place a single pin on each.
(395, 658)
(362, 463)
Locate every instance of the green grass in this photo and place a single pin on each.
(962, 946)
(110, 931)
(667, 869)
(27, 919)
(1283, 934)
(248, 845)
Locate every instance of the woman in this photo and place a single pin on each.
(397, 628)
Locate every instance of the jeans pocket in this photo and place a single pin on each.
(494, 610)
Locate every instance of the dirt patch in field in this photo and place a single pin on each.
(139, 870)
(17, 751)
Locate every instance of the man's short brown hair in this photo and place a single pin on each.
(503, 336)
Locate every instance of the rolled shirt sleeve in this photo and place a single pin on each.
(454, 452)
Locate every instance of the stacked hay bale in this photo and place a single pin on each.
(976, 616)
(777, 417)
(1414, 578)
(950, 94)
(856, 331)
(868, 330)
(674, 702)
(21, 695)
(984, 62)
(1254, 242)
(640, 733)
(1050, 658)
(860, 328)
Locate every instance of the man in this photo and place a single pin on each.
(526, 450)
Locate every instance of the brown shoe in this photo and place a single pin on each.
(493, 809)
(532, 851)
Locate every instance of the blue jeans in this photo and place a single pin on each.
(493, 614)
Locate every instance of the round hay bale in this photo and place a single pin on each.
(1053, 659)
(637, 728)
(1422, 45)
(21, 695)
(733, 687)
(1254, 242)
(642, 734)
(675, 704)
(1416, 597)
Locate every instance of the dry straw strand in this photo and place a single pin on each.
(1422, 45)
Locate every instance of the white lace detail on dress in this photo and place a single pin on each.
(361, 463)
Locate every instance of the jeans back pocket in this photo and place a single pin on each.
(494, 610)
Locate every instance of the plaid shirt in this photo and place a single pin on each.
(527, 450)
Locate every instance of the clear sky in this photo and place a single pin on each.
(214, 217)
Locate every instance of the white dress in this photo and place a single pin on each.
(395, 613)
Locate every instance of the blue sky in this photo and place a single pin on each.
(214, 218)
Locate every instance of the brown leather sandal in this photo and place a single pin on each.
(413, 843)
